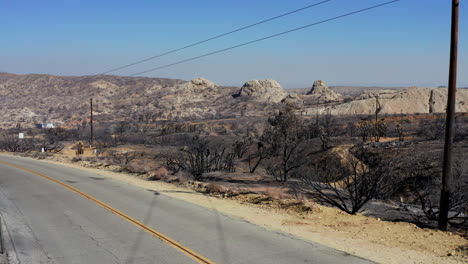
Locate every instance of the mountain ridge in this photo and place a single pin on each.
(26, 99)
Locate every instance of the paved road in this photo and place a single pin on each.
(49, 223)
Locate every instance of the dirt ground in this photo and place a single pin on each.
(367, 237)
(3, 259)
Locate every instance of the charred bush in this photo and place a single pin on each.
(347, 185)
(432, 129)
(372, 130)
(427, 187)
(123, 158)
(200, 156)
(11, 143)
(285, 141)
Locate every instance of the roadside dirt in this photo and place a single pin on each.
(367, 237)
(3, 259)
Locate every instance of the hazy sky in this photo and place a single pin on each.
(403, 44)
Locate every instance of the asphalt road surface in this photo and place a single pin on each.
(56, 214)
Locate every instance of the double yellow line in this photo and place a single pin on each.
(192, 254)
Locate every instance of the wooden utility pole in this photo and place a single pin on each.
(449, 123)
(91, 121)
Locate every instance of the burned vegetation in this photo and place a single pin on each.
(346, 162)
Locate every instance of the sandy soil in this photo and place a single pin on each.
(367, 237)
(3, 259)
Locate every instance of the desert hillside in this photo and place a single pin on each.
(342, 169)
(64, 100)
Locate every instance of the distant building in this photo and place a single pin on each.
(45, 125)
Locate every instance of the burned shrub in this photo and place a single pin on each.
(346, 184)
(11, 143)
(123, 158)
(54, 135)
(432, 129)
(426, 188)
(372, 130)
(200, 156)
(285, 141)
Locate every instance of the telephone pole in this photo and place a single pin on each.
(449, 128)
(91, 121)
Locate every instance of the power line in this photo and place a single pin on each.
(215, 37)
(268, 37)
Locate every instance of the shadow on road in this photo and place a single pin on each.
(134, 248)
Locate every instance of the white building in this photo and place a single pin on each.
(45, 125)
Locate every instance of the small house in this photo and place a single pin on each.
(45, 125)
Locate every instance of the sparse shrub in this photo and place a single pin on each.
(365, 130)
(53, 135)
(103, 139)
(241, 146)
(432, 129)
(324, 138)
(373, 130)
(285, 140)
(123, 158)
(461, 128)
(427, 187)
(11, 143)
(174, 160)
(76, 159)
(257, 155)
(201, 156)
(400, 131)
(323, 125)
(379, 130)
(214, 188)
(349, 185)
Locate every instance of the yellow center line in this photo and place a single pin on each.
(192, 254)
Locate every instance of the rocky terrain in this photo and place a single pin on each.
(259, 155)
(407, 101)
(64, 100)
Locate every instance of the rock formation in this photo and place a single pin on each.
(263, 90)
(28, 99)
(320, 89)
(293, 100)
(199, 84)
(408, 101)
(379, 93)
(438, 100)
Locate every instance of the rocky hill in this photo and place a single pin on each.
(407, 101)
(64, 100)
(263, 90)
(351, 91)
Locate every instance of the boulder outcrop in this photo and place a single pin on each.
(438, 100)
(320, 89)
(293, 100)
(199, 84)
(263, 90)
(378, 93)
(408, 101)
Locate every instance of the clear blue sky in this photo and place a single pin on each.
(406, 43)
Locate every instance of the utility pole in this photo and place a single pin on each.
(91, 121)
(449, 127)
